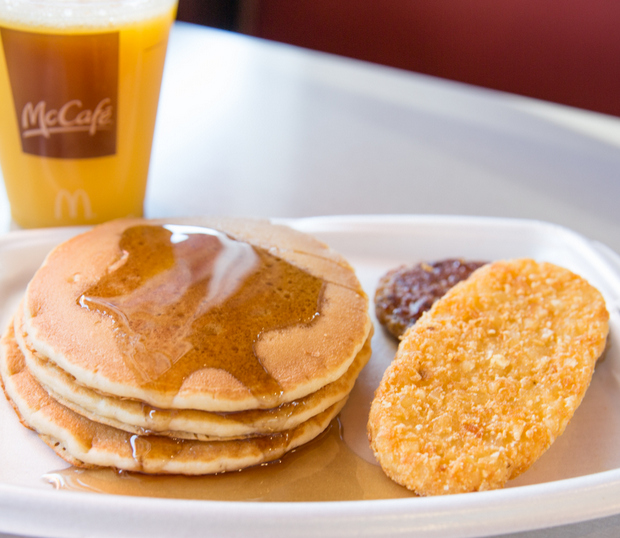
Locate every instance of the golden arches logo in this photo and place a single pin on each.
(72, 201)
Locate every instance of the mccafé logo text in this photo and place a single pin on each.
(65, 92)
(36, 120)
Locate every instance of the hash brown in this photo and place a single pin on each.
(487, 379)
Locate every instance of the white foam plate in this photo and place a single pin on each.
(577, 479)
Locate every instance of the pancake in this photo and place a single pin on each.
(488, 378)
(85, 443)
(217, 315)
(137, 417)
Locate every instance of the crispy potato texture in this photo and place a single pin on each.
(487, 379)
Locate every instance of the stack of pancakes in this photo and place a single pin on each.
(185, 346)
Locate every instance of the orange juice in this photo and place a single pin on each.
(78, 100)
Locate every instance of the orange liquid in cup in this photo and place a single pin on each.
(54, 182)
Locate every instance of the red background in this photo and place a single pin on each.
(567, 51)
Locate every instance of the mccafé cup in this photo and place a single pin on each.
(79, 86)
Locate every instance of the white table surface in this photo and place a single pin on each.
(252, 128)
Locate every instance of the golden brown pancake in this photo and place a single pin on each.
(85, 443)
(137, 417)
(219, 315)
(487, 379)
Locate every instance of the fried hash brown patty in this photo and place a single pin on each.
(405, 293)
(487, 379)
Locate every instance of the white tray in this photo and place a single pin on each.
(577, 479)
